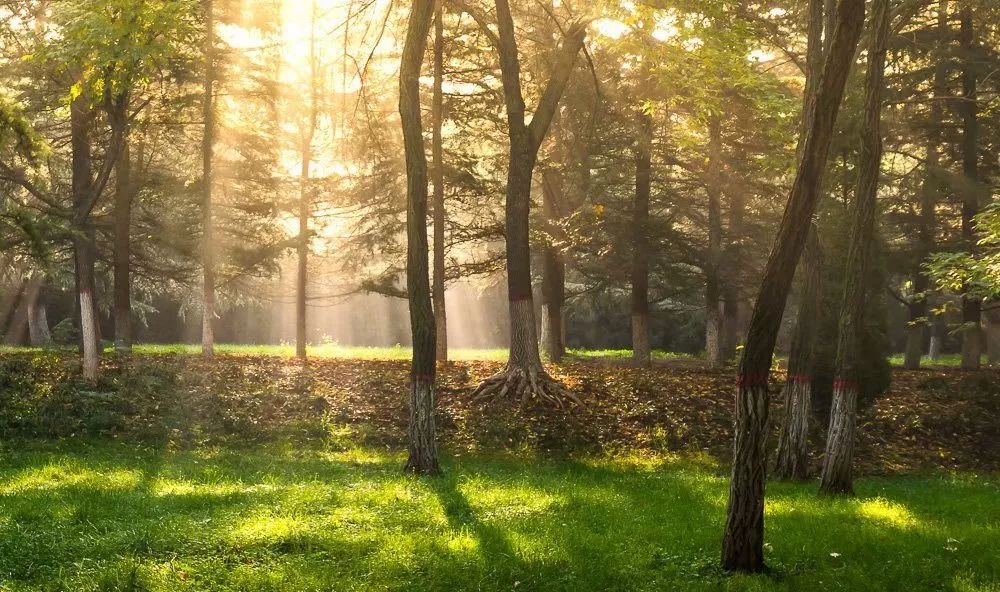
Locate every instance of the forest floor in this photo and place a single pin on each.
(256, 472)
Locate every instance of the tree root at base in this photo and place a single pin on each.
(524, 385)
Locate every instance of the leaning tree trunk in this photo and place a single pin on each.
(122, 256)
(524, 377)
(208, 225)
(553, 268)
(641, 351)
(837, 463)
(437, 151)
(422, 446)
(793, 439)
(743, 541)
(713, 300)
(972, 333)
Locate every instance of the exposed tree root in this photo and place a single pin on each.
(525, 385)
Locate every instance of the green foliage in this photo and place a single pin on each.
(977, 275)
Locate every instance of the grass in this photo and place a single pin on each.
(109, 516)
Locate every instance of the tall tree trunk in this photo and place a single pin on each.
(917, 308)
(17, 327)
(524, 377)
(743, 541)
(837, 463)
(993, 334)
(713, 300)
(938, 330)
(437, 152)
(972, 333)
(793, 439)
(123, 219)
(734, 303)
(422, 446)
(84, 238)
(553, 267)
(208, 225)
(641, 351)
(38, 324)
(305, 196)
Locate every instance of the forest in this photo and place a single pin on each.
(499, 294)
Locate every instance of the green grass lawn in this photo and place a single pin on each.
(108, 516)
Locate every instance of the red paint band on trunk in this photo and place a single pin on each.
(845, 384)
(751, 380)
(803, 378)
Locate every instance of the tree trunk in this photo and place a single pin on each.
(38, 325)
(929, 193)
(793, 440)
(713, 300)
(742, 548)
(524, 376)
(993, 335)
(123, 218)
(84, 239)
(972, 334)
(422, 439)
(837, 464)
(937, 338)
(305, 197)
(553, 268)
(641, 351)
(17, 327)
(437, 151)
(208, 225)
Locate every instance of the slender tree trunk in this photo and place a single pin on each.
(423, 457)
(734, 304)
(837, 464)
(437, 150)
(793, 440)
(917, 323)
(553, 268)
(305, 197)
(208, 225)
(123, 219)
(972, 333)
(937, 338)
(713, 300)
(993, 334)
(743, 541)
(84, 239)
(641, 351)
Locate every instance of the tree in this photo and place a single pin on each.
(640, 248)
(437, 152)
(972, 332)
(743, 541)
(524, 377)
(208, 224)
(422, 443)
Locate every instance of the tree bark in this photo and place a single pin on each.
(641, 350)
(917, 308)
(38, 325)
(793, 440)
(122, 257)
(837, 463)
(713, 300)
(208, 225)
(423, 457)
(553, 267)
(84, 238)
(937, 338)
(993, 336)
(972, 333)
(524, 377)
(437, 152)
(17, 327)
(742, 548)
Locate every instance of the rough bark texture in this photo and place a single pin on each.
(743, 540)
(553, 268)
(437, 170)
(641, 353)
(38, 325)
(84, 239)
(123, 256)
(837, 474)
(208, 226)
(793, 445)
(422, 438)
(713, 299)
(972, 334)
(524, 376)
